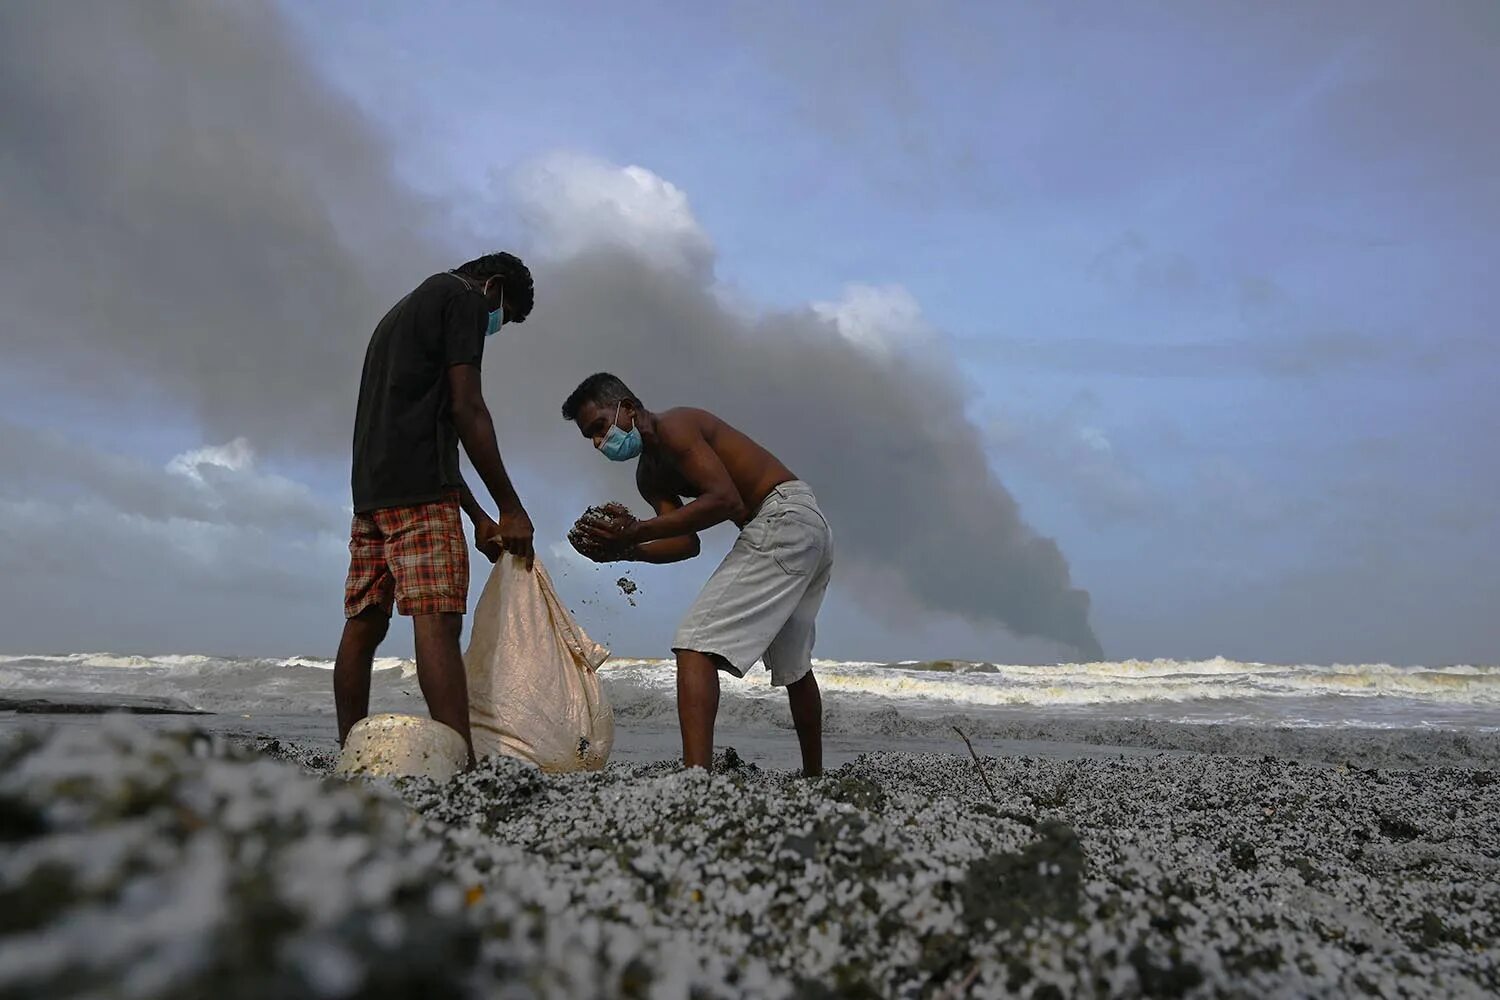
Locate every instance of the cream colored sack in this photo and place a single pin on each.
(533, 692)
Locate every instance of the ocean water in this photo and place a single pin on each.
(920, 696)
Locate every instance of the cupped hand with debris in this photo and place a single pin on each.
(594, 534)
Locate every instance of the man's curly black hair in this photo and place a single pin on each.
(514, 275)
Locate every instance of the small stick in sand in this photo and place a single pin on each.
(1009, 814)
(978, 766)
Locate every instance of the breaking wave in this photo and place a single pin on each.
(1216, 690)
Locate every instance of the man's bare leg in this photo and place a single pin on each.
(697, 706)
(807, 715)
(440, 672)
(351, 668)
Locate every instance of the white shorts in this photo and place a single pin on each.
(763, 600)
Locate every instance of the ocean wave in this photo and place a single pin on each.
(113, 660)
(188, 664)
(1132, 681)
(1215, 690)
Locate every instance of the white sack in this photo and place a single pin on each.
(533, 692)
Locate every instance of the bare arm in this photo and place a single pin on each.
(664, 550)
(667, 550)
(476, 429)
(471, 506)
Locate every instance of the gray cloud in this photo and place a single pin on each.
(1068, 449)
(185, 201)
(885, 442)
(197, 488)
(106, 552)
(85, 576)
(190, 206)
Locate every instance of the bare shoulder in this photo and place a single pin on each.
(686, 423)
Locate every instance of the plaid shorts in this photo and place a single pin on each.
(414, 557)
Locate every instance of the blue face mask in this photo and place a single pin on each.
(619, 446)
(497, 318)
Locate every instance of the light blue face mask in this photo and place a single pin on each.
(618, 445)
(497, 317)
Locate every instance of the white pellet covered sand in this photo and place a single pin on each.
(137, 863)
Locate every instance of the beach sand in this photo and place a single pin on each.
(145, 857)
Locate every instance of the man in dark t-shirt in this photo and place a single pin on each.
(419, 397)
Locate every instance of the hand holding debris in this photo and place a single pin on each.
(590, 545)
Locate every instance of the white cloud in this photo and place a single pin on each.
(1095, 440)
(236, 456)
(227, 481)
(87, 574)
(884, 319)
(213, 484)
(101, 549)
(574, 202)
(211, 510)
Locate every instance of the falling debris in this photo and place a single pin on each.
(628, 588)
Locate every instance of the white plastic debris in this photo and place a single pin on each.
(402, 746)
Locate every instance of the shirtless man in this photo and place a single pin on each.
(762, 601)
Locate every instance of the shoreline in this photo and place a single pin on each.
(761, 733)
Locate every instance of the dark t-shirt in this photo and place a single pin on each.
(405, 444)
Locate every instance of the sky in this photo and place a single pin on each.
(1131, 330)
